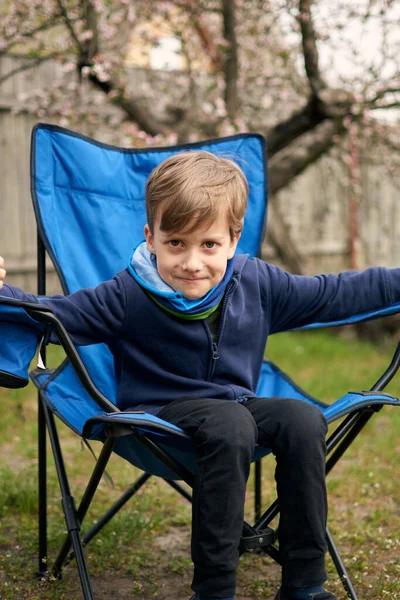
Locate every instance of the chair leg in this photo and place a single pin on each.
(127, 495)
(257, 489)
(42, 491)
(176, 486)
(86, 501)
(340, 568)
(81, 564)
(42, 460)
(69, 509)
(273, 510)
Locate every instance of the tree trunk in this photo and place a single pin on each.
(231, 62)
(279, 237)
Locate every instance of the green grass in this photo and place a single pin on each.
(327, 366)
(144, 551)
(20, 492)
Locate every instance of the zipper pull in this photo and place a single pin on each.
(215, 354)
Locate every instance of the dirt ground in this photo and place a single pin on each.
(166, 576)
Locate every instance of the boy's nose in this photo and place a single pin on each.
(192, 262)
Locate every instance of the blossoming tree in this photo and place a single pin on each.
(299, 71)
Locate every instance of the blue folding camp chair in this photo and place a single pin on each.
(89, 204)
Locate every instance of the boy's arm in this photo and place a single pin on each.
(90, 316)
(300, 300)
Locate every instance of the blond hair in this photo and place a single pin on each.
(191, 188)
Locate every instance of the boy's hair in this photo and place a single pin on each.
(191, 187)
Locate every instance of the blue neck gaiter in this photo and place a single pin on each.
(143, 268)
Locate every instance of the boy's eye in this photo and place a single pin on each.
(209, 245)
(174, 243)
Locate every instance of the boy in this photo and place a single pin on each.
(187, 324)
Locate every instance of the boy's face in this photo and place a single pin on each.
(192, 263)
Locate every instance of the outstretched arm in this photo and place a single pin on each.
(90, 316)
(299, 300)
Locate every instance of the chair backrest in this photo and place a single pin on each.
(89, 203)
(89, 198)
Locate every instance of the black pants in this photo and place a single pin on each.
(225, 434)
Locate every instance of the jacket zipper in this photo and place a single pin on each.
(215, 343)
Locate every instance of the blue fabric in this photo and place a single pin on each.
(143, 268)
(17, 350)
(19, 335)
(274, 382)
(97, 192)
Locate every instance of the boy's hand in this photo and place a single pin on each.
(2, 272)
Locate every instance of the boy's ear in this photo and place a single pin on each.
(234, 244)
(149, 238)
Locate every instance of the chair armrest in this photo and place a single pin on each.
(137, 419)
(389, 373)
(379, 313)
(44, 315)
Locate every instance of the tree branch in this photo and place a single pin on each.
(25, 67)
(87, 52)
(293, 160)
(231, 62)
(30, 34)
(299, 123)
(207, 42)
(89, 48)
(130, 106)
(331, 104)
(310, 51)
(381, 94)
(385, 106)
(68, 24)
(395, 148)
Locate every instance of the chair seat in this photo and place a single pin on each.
(179, 444)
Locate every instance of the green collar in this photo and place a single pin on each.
(186, 317)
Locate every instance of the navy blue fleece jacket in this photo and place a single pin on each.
(159, 357)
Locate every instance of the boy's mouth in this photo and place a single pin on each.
(191, 279)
